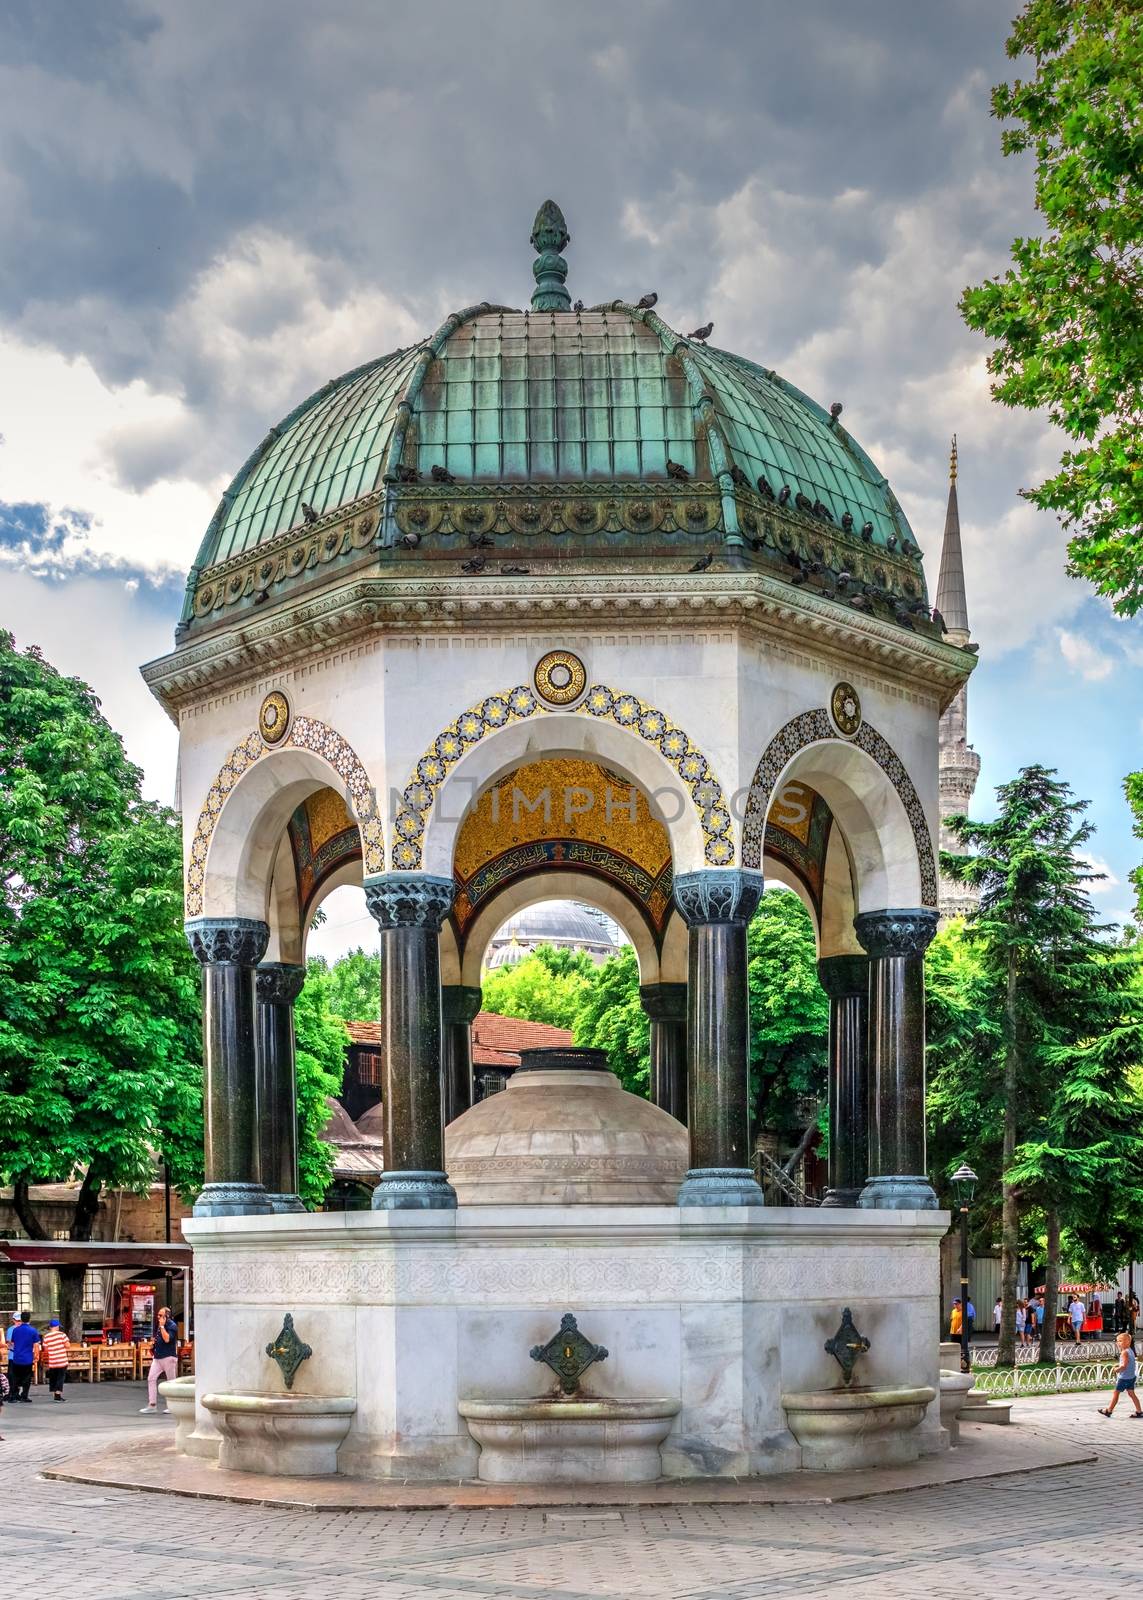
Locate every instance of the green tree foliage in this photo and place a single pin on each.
(1053, 1060)
(612, 1018)
(548, 986)
(1133, 787)
(1067, 316)
(320, 1039)
(352, 985)
(789, 1012)
(99, 1041)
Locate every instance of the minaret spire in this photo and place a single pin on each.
(951, 601)
(959, 762)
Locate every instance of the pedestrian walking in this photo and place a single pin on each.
(23, 1343)
(1132, 1312)
(1124, 1377)
(1077, 1313)
(1021, 1321)
(955, 1320)
(1039, 1312)
(57, 1355)
(1119, 1313)
(997, 1313)
(164, 1357)
(970, 1314)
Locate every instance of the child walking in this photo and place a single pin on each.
(1125, 1379)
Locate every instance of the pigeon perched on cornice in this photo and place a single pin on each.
(308, 513)
(476, 564)
(703, 563)
(441, 474)
(646, 303)
(480, 541)
(675, 469)
(702, 334)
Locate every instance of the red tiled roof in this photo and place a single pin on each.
(496, 1041)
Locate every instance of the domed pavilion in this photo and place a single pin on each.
(561, 603)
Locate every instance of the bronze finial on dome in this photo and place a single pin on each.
(550, 236)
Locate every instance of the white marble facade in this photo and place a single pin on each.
(410, 1312)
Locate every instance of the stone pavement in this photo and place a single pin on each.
(1060, 1531)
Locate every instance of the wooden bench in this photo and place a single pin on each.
(79, 1363)
(114, 1361)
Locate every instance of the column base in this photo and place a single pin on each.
(843, 1197)
(282, 1203)
(414, 1191)
(720, 1186)
(232, 1200)
(898, 1193)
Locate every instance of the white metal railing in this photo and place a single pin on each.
(1066, 1353)
(1015, 1381)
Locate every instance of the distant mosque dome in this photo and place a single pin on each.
(563, 924)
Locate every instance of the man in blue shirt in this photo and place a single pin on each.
(21, 1355)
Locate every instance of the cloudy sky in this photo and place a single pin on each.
(210, 209)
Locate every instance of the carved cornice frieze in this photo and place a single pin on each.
(409, 603)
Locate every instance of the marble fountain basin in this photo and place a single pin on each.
(289, 1435)
(954, 1397)
(177, 1395)
(840, 1429)
(585, 1439)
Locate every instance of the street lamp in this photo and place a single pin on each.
(964, 1182)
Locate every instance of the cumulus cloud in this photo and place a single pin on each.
(1084, 657)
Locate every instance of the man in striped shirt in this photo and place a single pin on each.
(56, 1356)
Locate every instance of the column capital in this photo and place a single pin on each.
(278, 983)
(409, 899)
(718, 895)
(239, 940)
(844, 976)
(895, 933)
(664, 1002)
(460, 1003)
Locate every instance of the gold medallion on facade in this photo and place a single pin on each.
(845, 709)
(560, 678)
(274, 717)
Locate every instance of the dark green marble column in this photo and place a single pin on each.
(459, 1006)
(666, 1006)
(229, 949)
(846, 980)
(717, 906)
(409, 908)
(896, 942)
(278, 984)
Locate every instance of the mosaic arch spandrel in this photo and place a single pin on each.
(815, 727)
(626, 710)
(306, 733)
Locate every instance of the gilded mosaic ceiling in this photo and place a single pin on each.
(323, 836)
(570, 814)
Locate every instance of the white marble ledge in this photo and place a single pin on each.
(775, 1226)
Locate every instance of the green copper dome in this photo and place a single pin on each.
(597, 403)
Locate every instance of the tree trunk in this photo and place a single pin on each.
(1010, 1211)
(1051, 1287)
(71, 1280)
(22, 1205)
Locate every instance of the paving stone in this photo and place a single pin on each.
(1019, 1535)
